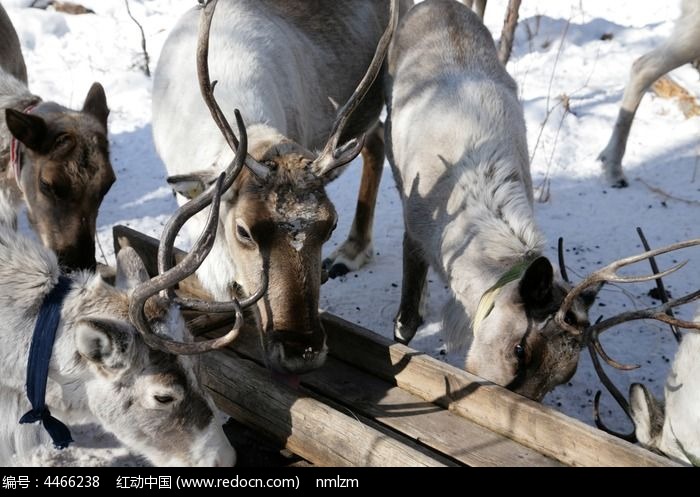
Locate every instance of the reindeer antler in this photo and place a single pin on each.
(332, 156)
(171, 277)
(662, 313)
(207, 88)
(609, 274)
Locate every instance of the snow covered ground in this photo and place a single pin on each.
(558, 52)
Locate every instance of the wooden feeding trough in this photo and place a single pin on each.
(379, 403)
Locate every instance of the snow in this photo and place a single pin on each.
(558, 51)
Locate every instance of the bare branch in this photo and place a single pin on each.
(146, 58)
(505, 45)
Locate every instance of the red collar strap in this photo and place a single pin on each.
(15, 159)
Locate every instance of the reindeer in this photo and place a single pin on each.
(682, 47)
(287, 64)
(671, 427)
(116, 356)
(457, 147)
(54, 159)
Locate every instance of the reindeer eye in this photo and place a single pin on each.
(44, 186)
(519, 352)
(55, 190)
(243, 234)
(164, 399)
(569, 318)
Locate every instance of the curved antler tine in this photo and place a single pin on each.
(649, 277)
(197, 204)
(206, 88)
(619, 398)
(612, 362)
(659, 313)
(609, 273)
(330, 157)
(629, 437)
(223, 307)
(562, 265)
(659, 283)
(252, 299)
(653, 253)
(185, 268)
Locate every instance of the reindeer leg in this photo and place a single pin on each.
(357, 249)
(672, 54)
(413, 292)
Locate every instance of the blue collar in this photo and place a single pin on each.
(38, 364)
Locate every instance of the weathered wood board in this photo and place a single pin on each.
(376, 402)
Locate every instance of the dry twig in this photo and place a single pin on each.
(146, 58)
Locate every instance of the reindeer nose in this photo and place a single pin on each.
(296, 352)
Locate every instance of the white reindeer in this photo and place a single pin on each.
(682, 47)
(101, 368)
(458, 150)
(673, 427)
(287, 64)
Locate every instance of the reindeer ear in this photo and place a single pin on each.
(192, 185)
(130, 269)
(104, 342)
(537, 283)
(31, 130)
(647, 414)
(96, 104)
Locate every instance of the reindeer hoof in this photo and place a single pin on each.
(337, 270)
(621, 183)
(403, 334)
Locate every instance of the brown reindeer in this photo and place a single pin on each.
(287, 65)
(55, 159)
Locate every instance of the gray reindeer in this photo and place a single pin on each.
(54, 159)
(105, 367)
(457, 146)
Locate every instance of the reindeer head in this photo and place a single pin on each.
(277, 216)
(517, 342)
(64, 173)
(149, 399)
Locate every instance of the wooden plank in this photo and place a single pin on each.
(429, 424)
(529, 423)
(536, 426)
(309, 428)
